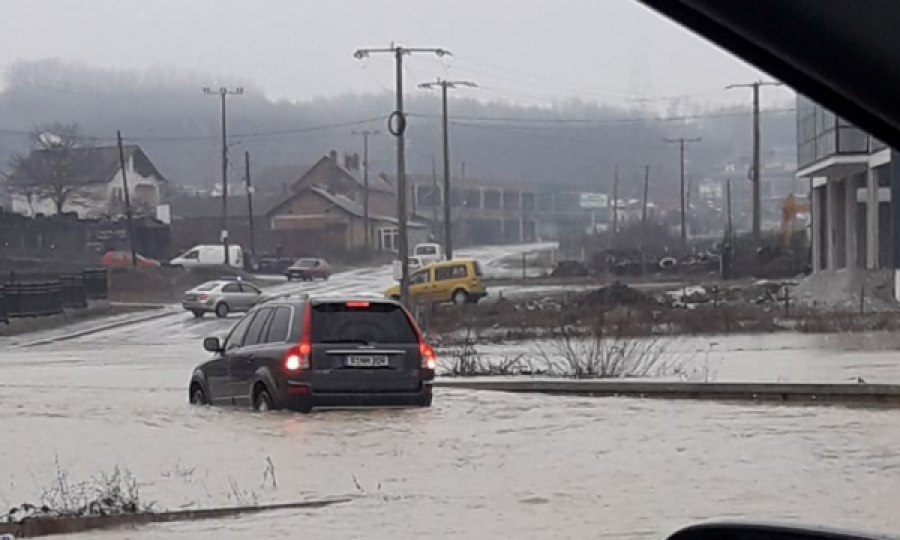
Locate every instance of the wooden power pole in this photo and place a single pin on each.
(681, 144)
(755, 171)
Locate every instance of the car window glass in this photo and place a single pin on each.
(192, 255)
(208, 286)
(449, 272)
(279, 325)
(247, 288)
(418, 277)
(377, 323)
(237, 334)
(257, 328)
(231, 288)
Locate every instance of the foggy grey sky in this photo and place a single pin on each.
(526, 51)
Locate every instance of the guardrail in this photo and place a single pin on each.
(43, 295)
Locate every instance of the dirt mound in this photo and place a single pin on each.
(615, 295)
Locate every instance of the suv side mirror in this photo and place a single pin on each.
(212, 344)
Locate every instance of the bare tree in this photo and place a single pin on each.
(54, 169)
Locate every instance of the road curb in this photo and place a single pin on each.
(48, 526)
(103, 328)
(803, 393)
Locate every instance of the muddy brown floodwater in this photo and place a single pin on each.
(474, 466)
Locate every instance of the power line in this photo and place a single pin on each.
(232, 137)
(604, 121)
(463, 120)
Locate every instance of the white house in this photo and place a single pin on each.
(91, 177)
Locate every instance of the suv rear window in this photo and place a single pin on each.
(377, 323)
(477, 269)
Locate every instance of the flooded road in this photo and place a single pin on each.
(474, 466)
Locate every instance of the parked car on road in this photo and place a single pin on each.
(210, 255)
(428, 253)
(308, 270)
(299, 352)
(459, 281)
(113, 259)
(222, 297)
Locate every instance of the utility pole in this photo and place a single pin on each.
(729, 232)
(365, 134)
(646, 195)
(615, 195)
(127, 196)
(644, 217)
(681, 143)
(397, 128)
(444, 86)
(435, 190)
(250, 203)
(755, 172)
(223, 94)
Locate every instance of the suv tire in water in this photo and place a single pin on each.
(263, 402)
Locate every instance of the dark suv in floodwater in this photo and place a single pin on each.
(300, 352)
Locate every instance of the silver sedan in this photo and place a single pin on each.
(222, 297)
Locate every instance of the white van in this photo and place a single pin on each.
(428, 253)
(210, 255)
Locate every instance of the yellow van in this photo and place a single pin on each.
(459, 281)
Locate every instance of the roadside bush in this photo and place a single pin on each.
(113, 493)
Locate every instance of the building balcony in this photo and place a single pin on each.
(828, 145)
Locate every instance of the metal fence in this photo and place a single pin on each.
(42, 295)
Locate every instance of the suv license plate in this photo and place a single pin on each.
(367, 361)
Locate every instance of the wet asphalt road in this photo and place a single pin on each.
(474, 466)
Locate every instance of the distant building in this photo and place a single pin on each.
(317, 220)
(851, 195)
(94, 175)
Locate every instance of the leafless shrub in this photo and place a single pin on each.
(598, 354)
(113, 493)
(460, 357)
(241, 496)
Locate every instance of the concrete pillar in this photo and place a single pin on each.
(818, 221)
(831, 214)
(850, 232)
(872, 222)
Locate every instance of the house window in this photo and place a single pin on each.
(388, 239)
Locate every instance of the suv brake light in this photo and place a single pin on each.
(429, 357)
(297, 357)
